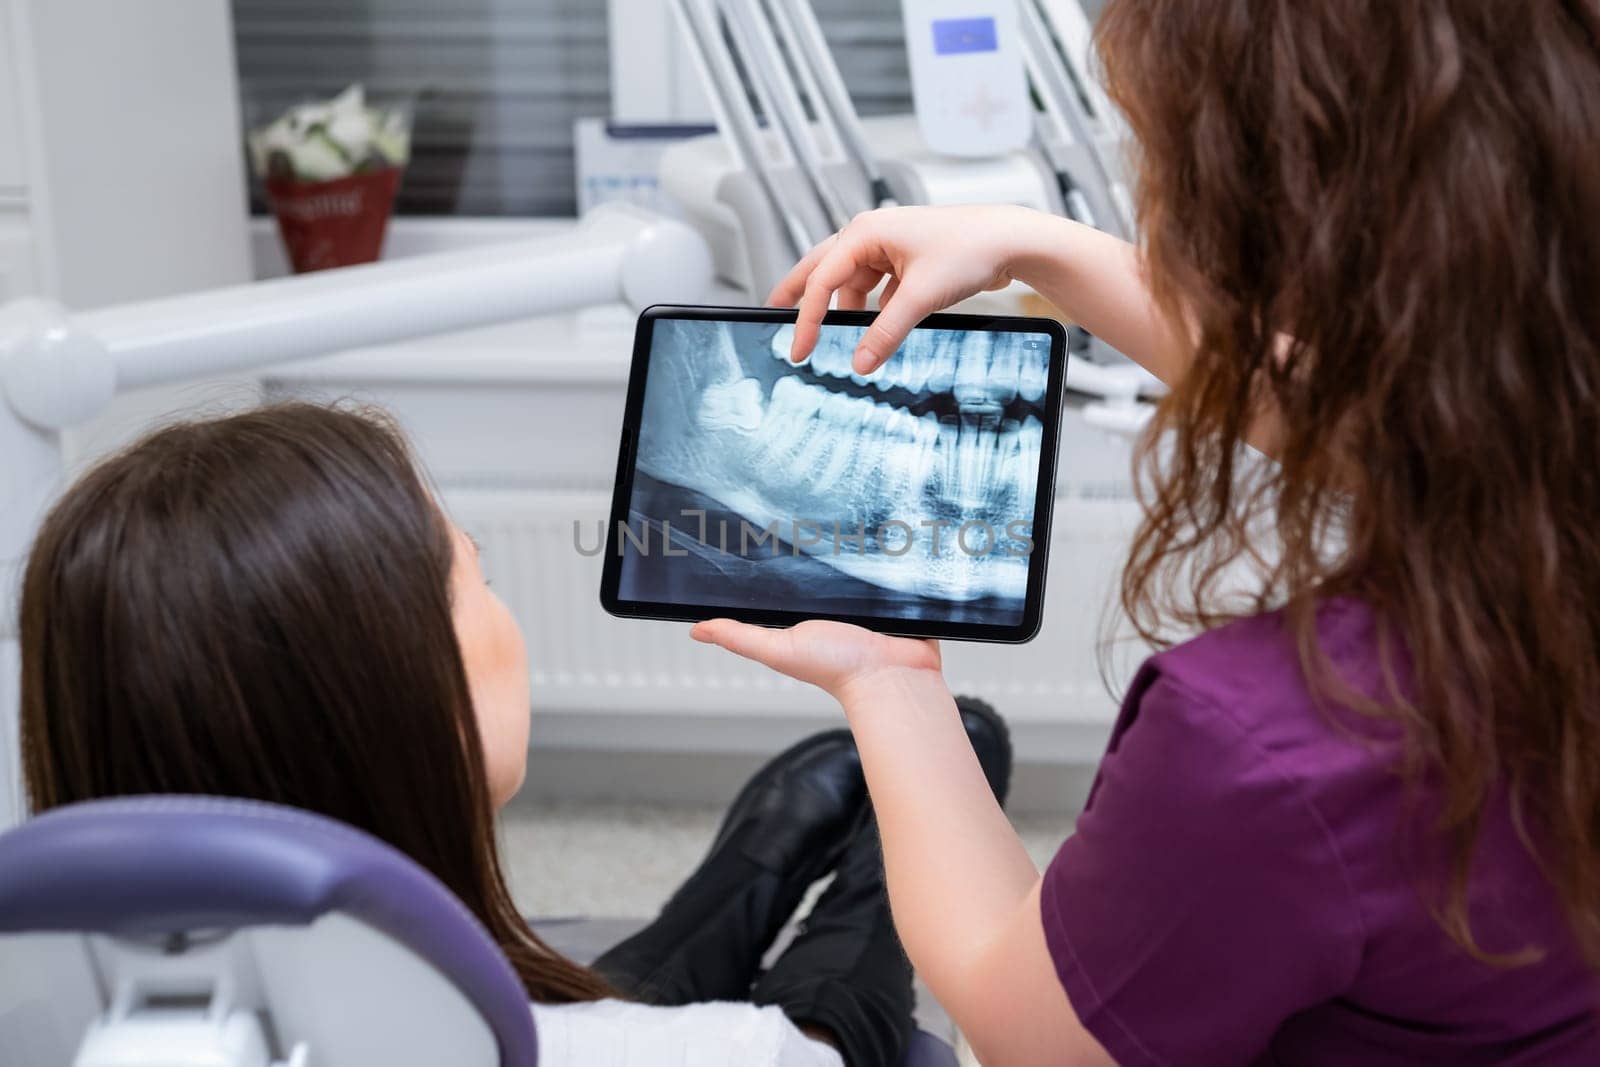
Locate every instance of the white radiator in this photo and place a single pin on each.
(589, 665)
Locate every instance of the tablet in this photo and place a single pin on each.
(915, 500)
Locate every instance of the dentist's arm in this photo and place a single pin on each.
(936, 256)
(964, 893)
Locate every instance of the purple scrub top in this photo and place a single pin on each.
(1241, 887)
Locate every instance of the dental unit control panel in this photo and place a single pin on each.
(967, 76)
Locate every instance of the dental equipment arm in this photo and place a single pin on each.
(1059, 85)
(735, 118)
(765, 62)
(796, 22)
(1069, 23)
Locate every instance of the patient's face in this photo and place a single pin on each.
(497, 670)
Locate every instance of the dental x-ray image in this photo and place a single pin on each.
(905, 494)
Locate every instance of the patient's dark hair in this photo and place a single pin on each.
(259, 606)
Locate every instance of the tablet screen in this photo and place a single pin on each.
(907, 494)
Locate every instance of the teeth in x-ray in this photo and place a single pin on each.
(969, 445)
(833, 356)
(1033, 379)
(1022, 458)
(732, 406)
(971, 382)
(942, 357)
(789, 426)
(848, 419)
(809, 454)
(831, 457)
(1005, 374)
(978, 368)
(911, 366)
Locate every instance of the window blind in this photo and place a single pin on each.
(868, 41)
(496, 84)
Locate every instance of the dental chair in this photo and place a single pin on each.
(211, 932)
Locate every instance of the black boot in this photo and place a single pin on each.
(846, 972)
(783, 831)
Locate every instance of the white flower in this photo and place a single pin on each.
(332, 139)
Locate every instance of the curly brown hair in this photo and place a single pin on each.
(1376, 220)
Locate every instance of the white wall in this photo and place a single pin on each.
(129, 124)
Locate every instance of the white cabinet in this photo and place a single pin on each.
(120, 154)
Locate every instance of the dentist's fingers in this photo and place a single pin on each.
(901, 310)
(853, 294)
(849, 258)
(825, 654)
(788, 291)
(888, 293)
(774, 648)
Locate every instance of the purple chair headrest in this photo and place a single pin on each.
(163, 864)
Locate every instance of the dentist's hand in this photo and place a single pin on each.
(833, 656)
(932, 256)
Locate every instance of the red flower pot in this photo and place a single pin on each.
(335, 223)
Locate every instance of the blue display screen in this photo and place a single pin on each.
(954, 36)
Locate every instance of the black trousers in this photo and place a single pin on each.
(843, 979)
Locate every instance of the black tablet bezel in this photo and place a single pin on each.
(1044, 501)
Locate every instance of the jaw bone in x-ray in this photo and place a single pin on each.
(918, 479)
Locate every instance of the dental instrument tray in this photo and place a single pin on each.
(915, 500)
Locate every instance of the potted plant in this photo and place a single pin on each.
(330, 170)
